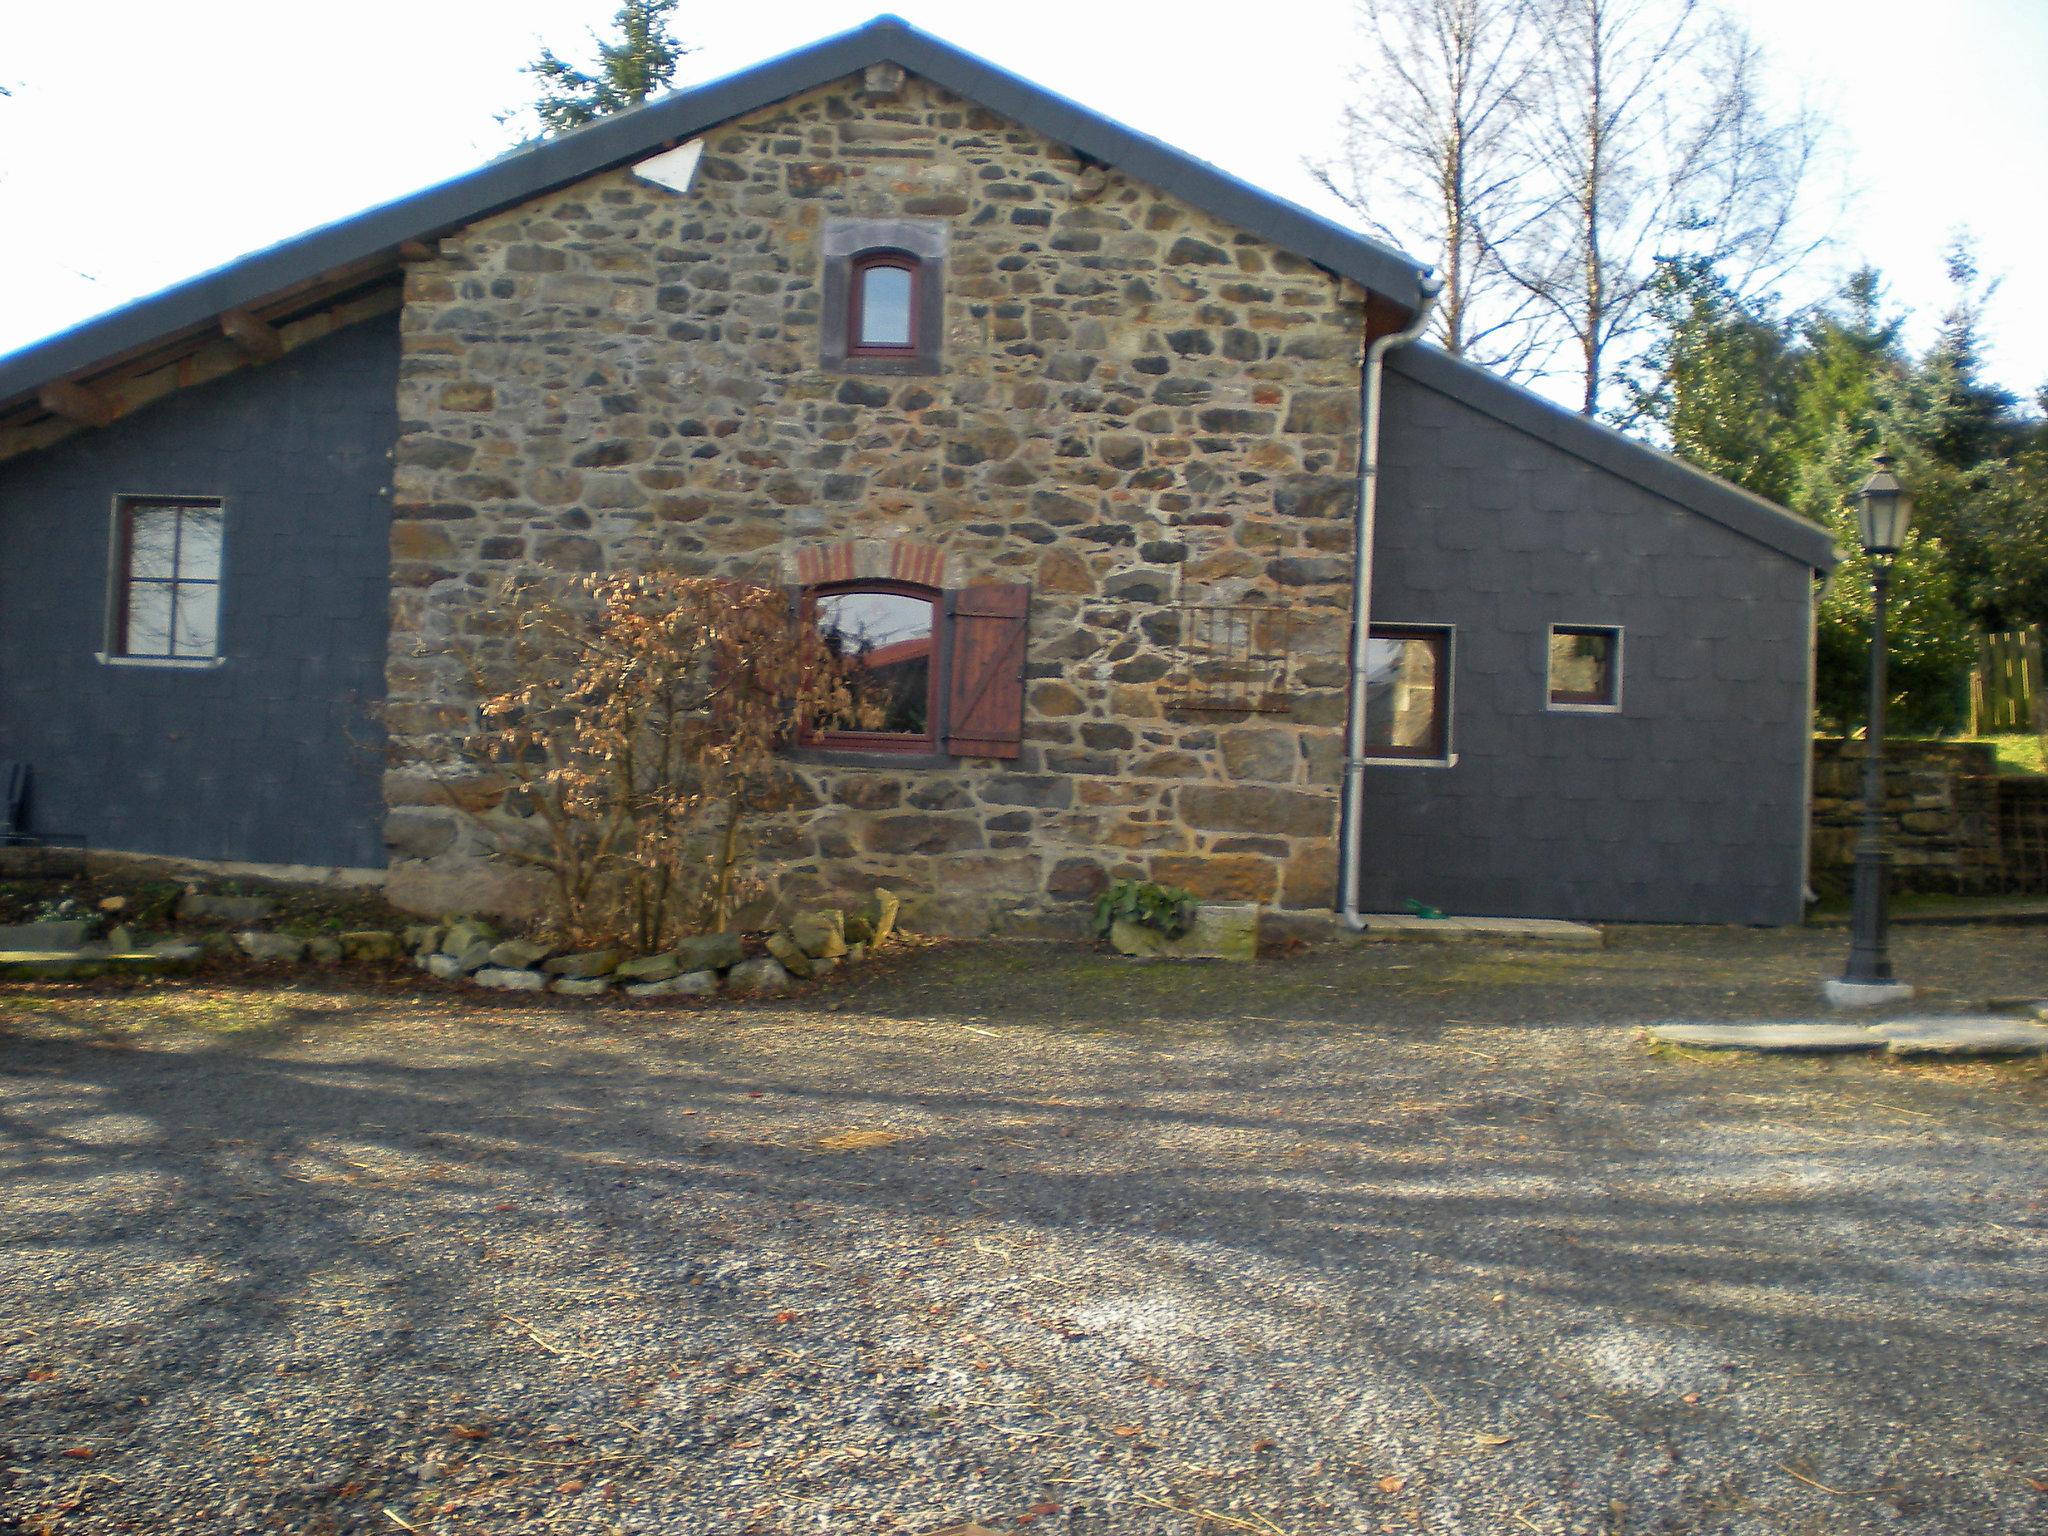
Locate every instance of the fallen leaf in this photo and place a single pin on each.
(785, 1317)
(860, 1141)
(42, 1374)
(1484, 1438)
(1690, 1397)
(1393, 1484)
(504, 1205)
(573, 1485)
(1125, 1431)
(1045, 1507)
(469, 1431)
(1263, 1444)
(2037, 1485)
(80, 1453)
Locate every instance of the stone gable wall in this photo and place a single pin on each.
(1138, 406)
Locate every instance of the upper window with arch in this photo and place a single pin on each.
(884, 295)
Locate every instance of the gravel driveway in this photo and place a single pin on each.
(1362, 1240)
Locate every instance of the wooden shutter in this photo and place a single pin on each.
(985, 697)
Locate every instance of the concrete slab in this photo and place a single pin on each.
(1865, 994)
(1801, 1038)
(83, 965)
(1986, 1035)
(1403, 926)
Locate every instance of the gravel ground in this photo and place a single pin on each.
(1362, 1240)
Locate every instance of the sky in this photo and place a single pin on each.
(215, 127)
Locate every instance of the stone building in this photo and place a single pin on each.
(1065, 425)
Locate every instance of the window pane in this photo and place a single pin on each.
(153, 542)
(197, 628)
(888, 638)
(1402, 694)
(884, 307)
(149, 619)
(199, 544)
(1582, 666)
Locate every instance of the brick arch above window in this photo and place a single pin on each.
(906, 560)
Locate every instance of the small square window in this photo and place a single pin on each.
(1585, 667)
(1408, 693)
(166, 603)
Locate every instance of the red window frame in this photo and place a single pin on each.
(856, 294)
(1438, 640)
(886, 741)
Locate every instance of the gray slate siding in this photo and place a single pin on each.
(274, 756)
(1688, 805)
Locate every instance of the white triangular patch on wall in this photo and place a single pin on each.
(673, 168)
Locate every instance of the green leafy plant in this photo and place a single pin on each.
(1167, 910)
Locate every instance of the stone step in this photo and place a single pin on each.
(1927, 1035)
(1394, 927)
(83, 965)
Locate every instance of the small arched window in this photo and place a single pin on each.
(882, 318)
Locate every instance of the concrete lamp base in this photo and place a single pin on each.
(1865, 994)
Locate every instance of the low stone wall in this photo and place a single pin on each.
(1943, 817)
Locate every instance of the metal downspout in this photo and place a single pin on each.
(1348, 873)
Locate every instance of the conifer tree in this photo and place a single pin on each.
(637, 62)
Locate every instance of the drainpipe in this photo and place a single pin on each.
(1361, 603)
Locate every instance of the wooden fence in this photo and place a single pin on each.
(2006, 687)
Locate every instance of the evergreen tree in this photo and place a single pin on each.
(634, 65)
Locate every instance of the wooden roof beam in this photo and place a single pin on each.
(76, 403)
(258, 339)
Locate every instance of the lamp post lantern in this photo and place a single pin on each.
(1883, 509)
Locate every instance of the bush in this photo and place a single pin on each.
(636, 720)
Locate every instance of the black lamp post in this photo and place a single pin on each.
(1883, 509)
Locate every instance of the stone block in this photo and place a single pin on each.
(820, 934)
(1279, 812)
(442, 967)
(506, 980)
(883, 920)
(465, 934)
(595, 962)
(1221, 931)
(68, 934)
(1218, 876)
(270, 947)
(324, 949)
(791, 954)
(520, 954)
(647, 968)
(371, 944)
(581, 986)
(709, 952)
(689, 984)
(762, 976)
(197, 906)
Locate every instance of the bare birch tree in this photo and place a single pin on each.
(1434, 158)
(1647, 129)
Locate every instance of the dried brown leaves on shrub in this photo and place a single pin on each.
(637, 720)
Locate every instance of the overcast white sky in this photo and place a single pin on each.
(171, 138)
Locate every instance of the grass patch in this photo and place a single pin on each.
(2019, 753)
(210, 1010)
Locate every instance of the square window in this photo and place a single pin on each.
(1585, 667)
(1408, 693)
(166, 603)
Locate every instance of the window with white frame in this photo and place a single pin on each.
(1585, 666)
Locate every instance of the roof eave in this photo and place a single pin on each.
(1660, 473)
(533, 171)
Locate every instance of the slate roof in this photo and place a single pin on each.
(366, 240)
(1675, 480)
(632, 135)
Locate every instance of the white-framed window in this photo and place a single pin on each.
(1585, 667)
(164, 603)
